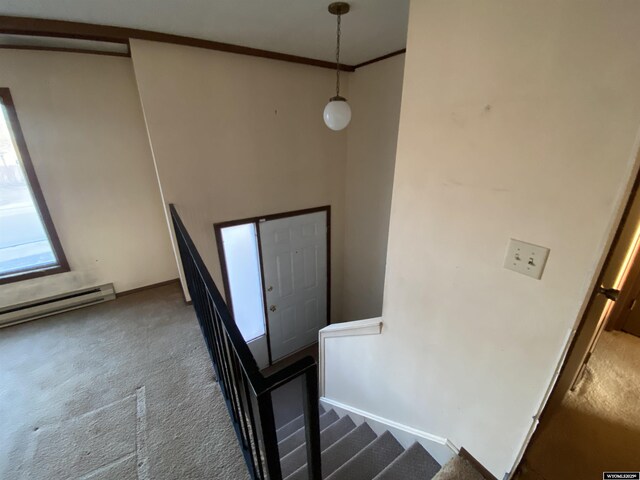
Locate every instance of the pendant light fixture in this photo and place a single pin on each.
(337, 113)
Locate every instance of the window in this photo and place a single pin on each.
(242, 263)
(29, 245)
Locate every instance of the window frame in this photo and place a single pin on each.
(62, 264)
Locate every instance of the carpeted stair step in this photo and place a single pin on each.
(334, 432)
(371, 460)
(296, 439)
(295, 424)
(340, 452)
(458, 468)
(415, 463)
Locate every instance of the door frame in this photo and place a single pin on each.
(551, 401)
(611, 315)
(217, 227)
(628, 289)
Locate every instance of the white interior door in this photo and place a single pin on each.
(294, 259)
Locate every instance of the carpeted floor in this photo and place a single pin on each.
(122, 390)
(125, 390)
(597, 427)
(458, 469)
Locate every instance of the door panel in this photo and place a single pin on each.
(311, 312)
(629, 313)
(632, 322)
(294, 256)
(310, 258)
(284, 266)
(287, 324)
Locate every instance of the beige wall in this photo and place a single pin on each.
(518, 120)
(85, 132)
(600, 310)
(375, 94)
(236, 136)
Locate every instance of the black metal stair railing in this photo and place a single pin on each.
(246, 391)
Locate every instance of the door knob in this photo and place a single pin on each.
(270, 288)
(610, 293)
(272, 308)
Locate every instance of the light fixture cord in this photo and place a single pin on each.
(338, 57)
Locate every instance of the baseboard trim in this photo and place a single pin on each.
(439, 447)
(147, 287)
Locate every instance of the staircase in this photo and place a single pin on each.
(351, 452)
(347, 451)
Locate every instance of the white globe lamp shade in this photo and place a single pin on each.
(337, 113)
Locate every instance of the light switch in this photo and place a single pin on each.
(526, 258)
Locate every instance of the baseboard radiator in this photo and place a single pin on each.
(43, 307)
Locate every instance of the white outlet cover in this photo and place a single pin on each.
(526, 258)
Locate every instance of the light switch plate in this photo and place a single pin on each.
(526, 258)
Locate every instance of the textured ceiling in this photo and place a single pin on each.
(297, 27)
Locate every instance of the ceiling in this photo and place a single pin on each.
(297, 27)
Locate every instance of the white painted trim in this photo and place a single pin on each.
(535, 418)
(390, 423)
(440, 448)
(371, 326)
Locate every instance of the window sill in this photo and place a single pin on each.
(28, 274)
